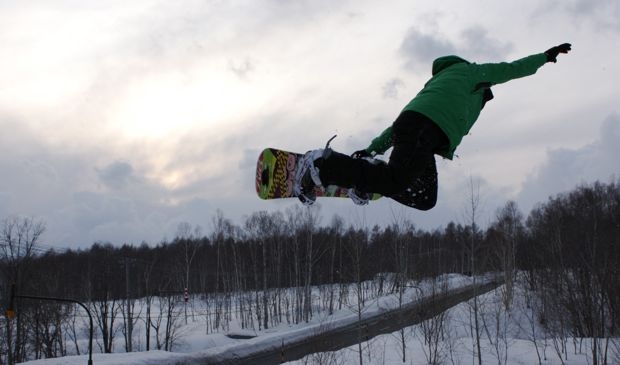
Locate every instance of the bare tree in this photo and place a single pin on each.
(166, 324)
(189, 240)
(473, 210)
(503, 236)
(357, 243)
(506, 233)
(149, 294)
(337, 228)
(575, 236)
(401, 241)
(264, 229)
(530, 309)
(497, 325)
(18, 240)
(230, 275)
(311, 220)
(433, 331)
(129, 307)
(106, 311)
(303, 222)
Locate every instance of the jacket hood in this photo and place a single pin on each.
(443, 63)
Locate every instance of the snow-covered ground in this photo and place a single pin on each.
(508, 336)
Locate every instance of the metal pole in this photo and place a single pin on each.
(90, 318)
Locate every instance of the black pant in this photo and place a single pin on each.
(410, 176)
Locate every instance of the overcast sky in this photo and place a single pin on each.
(121, 119)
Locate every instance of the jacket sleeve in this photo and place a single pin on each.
(382, 143)
(497, 73)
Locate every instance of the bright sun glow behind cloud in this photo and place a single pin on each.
(166, 105)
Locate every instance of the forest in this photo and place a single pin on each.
(263, 272)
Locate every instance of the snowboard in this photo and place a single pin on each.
(275, 176)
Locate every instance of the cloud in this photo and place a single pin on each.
(119, 130)
(390, 89)
(566, 168)
(241, 68)
(5, 201)
(116, 175)
(479, 45)
(602, 14)
(419, 49)
(85, 195)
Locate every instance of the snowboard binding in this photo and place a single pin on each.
(307, 176)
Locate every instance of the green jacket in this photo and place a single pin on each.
(453, 97)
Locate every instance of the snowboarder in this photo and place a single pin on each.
(433, 123)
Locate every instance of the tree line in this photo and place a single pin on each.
(263, 271)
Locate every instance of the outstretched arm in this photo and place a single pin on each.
(497, 73)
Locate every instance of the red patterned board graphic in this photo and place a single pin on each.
(275, 174)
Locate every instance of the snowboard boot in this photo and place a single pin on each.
(307, 176)
(359, 197)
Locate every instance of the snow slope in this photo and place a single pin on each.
(384, 349)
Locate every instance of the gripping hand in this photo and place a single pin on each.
(552, 53)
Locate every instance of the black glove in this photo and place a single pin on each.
(553, 53)
(361, 154)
